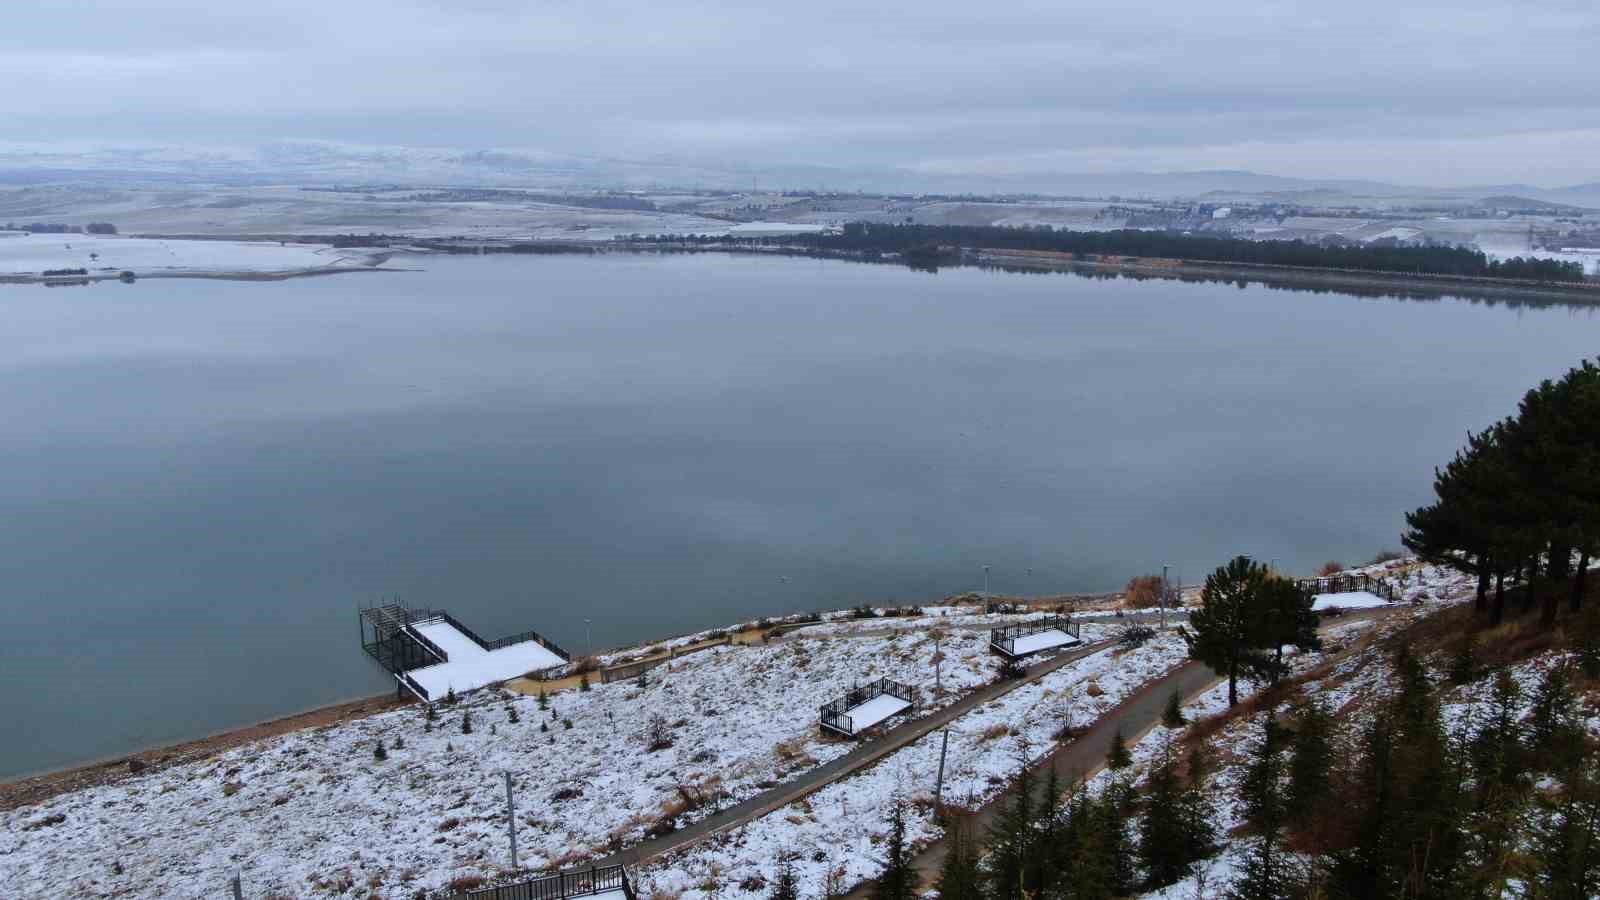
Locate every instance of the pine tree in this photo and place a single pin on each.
(379, 754)
(1266, 870)
(1011, 840)
(1310, 764)
(785, 886)
(1118, 757)
(466, 723)
(1116, 843)
(1566, 844)
(1172, 716)
(1495, 746)
(1226, 634)
(899, 880)
(399, 743)
(1555, 731)
(430, 714)
(511, 715)
(544, 701)
(959, 877)
(1199, 809)
(1283, 617)
(1463, 662)
(1163, 837)
(583, 682)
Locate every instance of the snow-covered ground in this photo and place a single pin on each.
(309, 813)
(1348, 600)
(101, 254)
(838, 829)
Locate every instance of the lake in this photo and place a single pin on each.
(202, 479)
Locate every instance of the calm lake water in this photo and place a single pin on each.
(200, 480)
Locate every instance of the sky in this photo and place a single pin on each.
(1422, 92)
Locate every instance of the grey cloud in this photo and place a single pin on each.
(933, 85)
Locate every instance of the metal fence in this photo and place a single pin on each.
(577, 883)
(1350, 584)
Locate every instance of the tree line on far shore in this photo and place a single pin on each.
(922, 242)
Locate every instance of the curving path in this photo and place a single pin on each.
(862, 756)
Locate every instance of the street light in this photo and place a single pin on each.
(588, 636)
(985, 582)
(1164, 589)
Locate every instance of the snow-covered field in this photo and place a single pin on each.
(837, 829)
(101, 254)
(313, 814)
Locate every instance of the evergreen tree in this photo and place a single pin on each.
(899, 880)
(466, 723)
(511, 715)
(1115, 842)
(544, 701)
(959, 877)
(785, 887)
(379, 754)
(1566, 845)
(1163, 837)
(1267, 874)
(1199, 809)
(1284, 616)
(1226, 634)
(1463, 661)
(583, 682)
(1172, 716)
(1555, 731)
(1310, 764)
(1118, 757)
(1495, 746)
(1011, 841)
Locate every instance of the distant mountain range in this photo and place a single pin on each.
(327, 163)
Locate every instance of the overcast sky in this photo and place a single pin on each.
(1424, 91)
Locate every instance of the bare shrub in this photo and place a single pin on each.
(995, 731)
(658, 736)
(585, 664)
(1093, 689)
(1331, 567)
(1384, 556)
(466, 883)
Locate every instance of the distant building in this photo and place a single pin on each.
(1222, 212)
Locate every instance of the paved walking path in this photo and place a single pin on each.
(1086, 754)
(862, 756)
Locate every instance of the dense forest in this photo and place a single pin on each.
(921, 242)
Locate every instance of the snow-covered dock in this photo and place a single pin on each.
(432, 654)
(866, 706)
(470, 666)
(1036, 636)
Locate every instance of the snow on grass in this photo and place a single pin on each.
(837, 829)
(313, 814)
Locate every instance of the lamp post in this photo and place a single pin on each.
(588, 636)
(1163, 604)
(985, 582)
